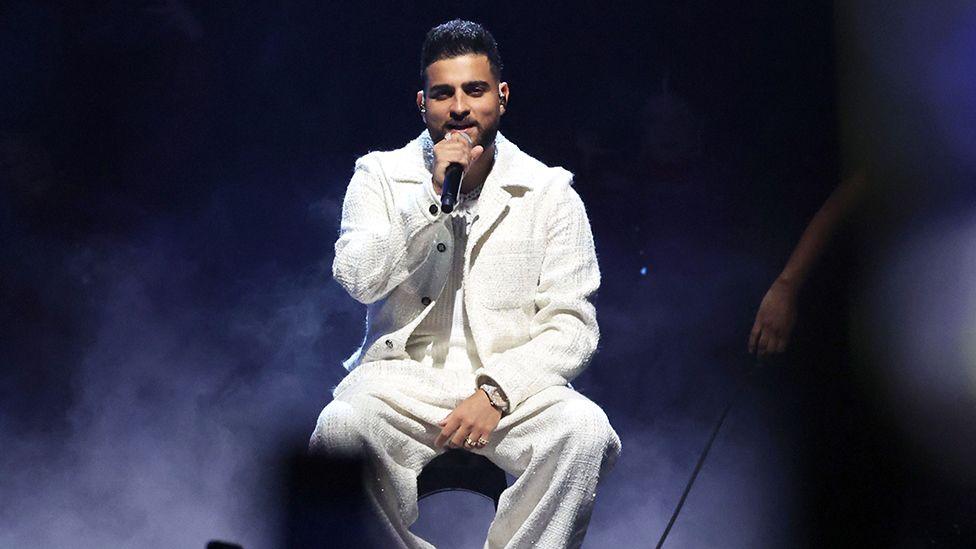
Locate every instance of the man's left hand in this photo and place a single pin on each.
(475, 418)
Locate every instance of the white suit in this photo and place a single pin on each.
(529, 270)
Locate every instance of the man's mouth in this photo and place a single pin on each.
(459, 126)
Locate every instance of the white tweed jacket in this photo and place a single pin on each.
(529, 265)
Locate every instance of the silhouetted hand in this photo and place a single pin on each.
(774, 322)
(474, 417)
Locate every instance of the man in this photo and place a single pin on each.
(476, 320)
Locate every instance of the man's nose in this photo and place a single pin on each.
(459, 109)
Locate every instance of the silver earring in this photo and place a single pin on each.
(423, 107)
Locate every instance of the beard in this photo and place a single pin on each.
(486, 138)
(486, 135)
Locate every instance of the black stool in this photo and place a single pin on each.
(461, 470)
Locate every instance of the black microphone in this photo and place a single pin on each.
(452, 186)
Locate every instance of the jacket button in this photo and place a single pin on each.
(434, 209)
(389, 343)
(425, 301)
(441, 247)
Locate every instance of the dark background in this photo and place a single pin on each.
(172, 176)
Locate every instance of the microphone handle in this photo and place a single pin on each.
(452, 187)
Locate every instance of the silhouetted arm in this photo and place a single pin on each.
(773, 327)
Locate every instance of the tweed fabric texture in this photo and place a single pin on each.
(558, 444)
(529, 265)
(528, 270)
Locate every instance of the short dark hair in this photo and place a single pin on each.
(459, 37)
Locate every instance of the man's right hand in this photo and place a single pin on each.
(453, 148)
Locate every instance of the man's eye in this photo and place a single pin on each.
(476, 93)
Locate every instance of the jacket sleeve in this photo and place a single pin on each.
(383, 238)
(563, 332)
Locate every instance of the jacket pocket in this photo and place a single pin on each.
(508, 277)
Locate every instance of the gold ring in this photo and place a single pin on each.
(468, 442)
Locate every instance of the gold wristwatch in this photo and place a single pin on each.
(496, 397)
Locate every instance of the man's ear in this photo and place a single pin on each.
(422, 105)
(503, 95)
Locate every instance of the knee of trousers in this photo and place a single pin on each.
(339, 431)
(587, 432)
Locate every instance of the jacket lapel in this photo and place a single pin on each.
(413, 166)
(494, 199)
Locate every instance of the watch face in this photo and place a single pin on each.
(492, 394)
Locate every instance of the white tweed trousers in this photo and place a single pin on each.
(557, 444)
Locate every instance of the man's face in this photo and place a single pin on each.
(462, 94)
